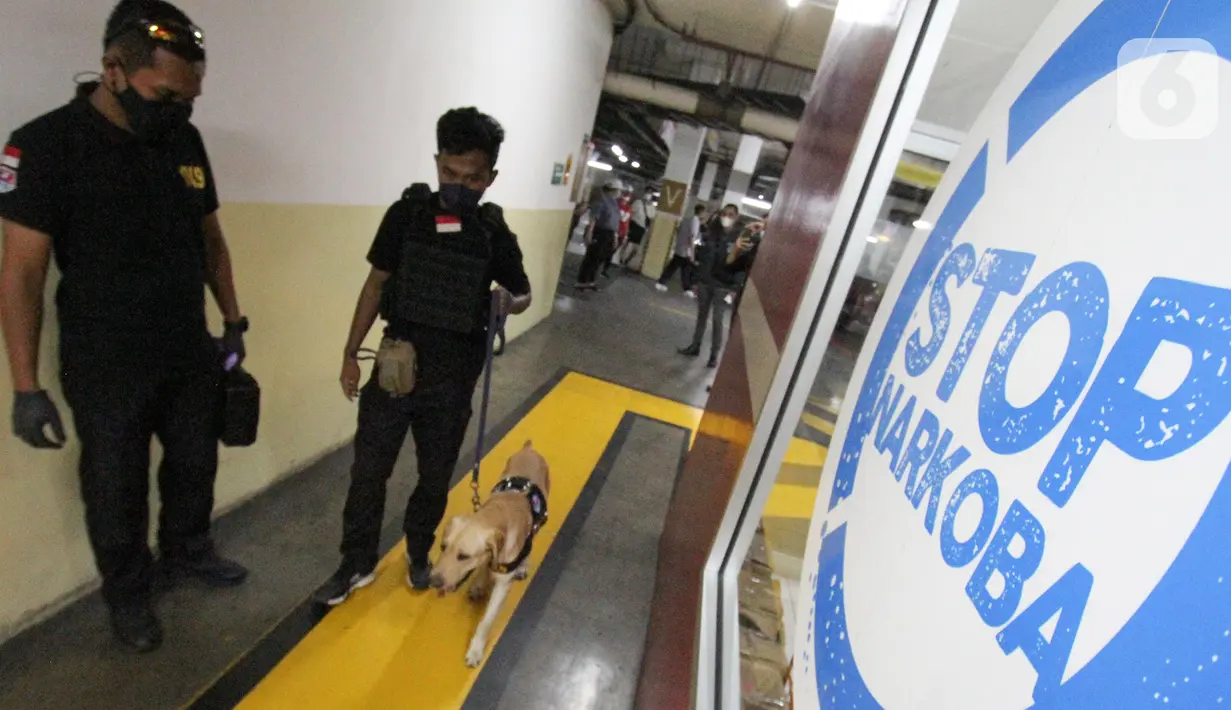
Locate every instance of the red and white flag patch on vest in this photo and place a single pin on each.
(448, 224)
(10, 160)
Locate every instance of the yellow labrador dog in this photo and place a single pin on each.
(494, 543)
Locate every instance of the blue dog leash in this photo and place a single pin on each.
(495, 329)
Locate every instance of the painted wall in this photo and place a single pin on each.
(316, 115)
(1030, 502)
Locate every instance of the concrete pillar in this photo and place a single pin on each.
(686, 145)
(706, 188)
(741, 173)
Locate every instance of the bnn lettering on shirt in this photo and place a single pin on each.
(923, 455)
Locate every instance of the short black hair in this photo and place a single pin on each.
(465, 129)
(731, 206)
(699, 209)
(135, 47)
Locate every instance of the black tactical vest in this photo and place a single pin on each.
(443, 280)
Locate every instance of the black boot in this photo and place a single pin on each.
(690, 351)
(136, 627)
(713, 362)
(207, 567)
(418, 573)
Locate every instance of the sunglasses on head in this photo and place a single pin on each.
(187, 41)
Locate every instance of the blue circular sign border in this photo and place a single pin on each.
(1173, 641)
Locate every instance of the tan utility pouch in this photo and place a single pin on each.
(396, 366)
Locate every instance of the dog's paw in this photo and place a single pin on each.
(479, 592)
(522, 573)
(474, 656)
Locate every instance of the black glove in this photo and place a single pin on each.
(493, 216)
(33, 412)
(233, 342)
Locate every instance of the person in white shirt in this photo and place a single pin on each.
(685, 254)
(643, 212)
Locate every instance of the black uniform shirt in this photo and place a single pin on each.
(445, 353)
(127, 228)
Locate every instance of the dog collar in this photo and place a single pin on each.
(538, 511)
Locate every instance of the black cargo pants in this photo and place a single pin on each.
(437, 412)
(116, 412)
(598, 253)
(711, 302)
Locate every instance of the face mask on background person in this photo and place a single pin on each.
(728, 222)
(459, 199)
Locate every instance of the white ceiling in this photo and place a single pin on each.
(986, 37)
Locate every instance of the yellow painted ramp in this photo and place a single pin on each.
(391, 647)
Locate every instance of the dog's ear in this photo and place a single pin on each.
(495, 543)
(451, 527)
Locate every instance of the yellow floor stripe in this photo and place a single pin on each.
(786, 501)
(822, 425)
(805, 453)
(389, 647)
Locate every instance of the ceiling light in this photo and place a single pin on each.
(760, 197)
(617, 149)
(598, 166)
(793, 3)
(873, 240)
(759, 204)
(636, 164)
(921, 224)
(623, 158)
(883, 239)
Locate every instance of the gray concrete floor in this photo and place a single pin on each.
(288, 536)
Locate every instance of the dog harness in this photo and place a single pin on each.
(538, 511)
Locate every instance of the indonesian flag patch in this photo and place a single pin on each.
(448, 224)
(10, 160)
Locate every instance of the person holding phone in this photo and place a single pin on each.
(723, 260)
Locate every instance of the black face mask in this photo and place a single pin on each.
(459, 199)
(154, 121)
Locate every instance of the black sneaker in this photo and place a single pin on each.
(136, 627)
(690, 351)
(418, 575)
(713, 362)
(209, 568)
(339, 587)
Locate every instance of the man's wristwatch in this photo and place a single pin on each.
(239, 326)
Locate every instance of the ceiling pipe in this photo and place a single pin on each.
(682, 32)
(755, 121)
(630, 14)
(694, 103)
